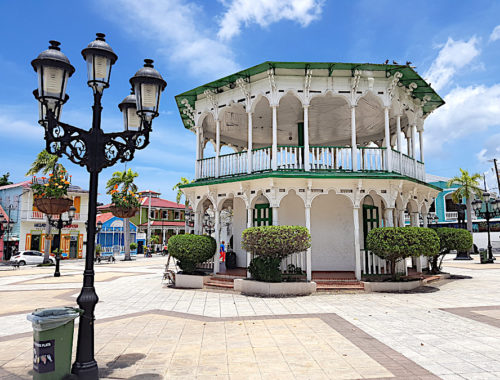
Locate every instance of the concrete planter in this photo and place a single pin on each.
(274, 289)
(388, 286)
(190, 281)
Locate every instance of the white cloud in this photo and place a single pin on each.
(177, 26)
(265, 12)
(491, 149)
(495, 35)
(467, 111)
(453, 56)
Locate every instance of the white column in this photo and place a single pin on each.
(217, 148)
(408, 145)
(198, 146)
(217, 241)
(387, 140)
(398, 131)
(197, 222)
(306, 138)
(275, 216)
(308, 252)
(389, 217)
(250, 143)
(424, 218)
(421, 144)
(274, 160)
(354, 148)
(414, 219)
(249, 224)
(357, 249)
(413, 140)
(401, 218)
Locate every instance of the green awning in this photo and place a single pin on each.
(409, 76)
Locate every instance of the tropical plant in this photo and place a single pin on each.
(397, 243)
(191, 250)
(180, 194)
(155, 239)
(270, 244)
(4, 179)
(56, 186)
(133, 246)
(123, 190)
(468, 187)
(46, 163)
(450, 239)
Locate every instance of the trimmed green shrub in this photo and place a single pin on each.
(450, 239)
(265, 268)
(276, 241)
(270, 244)
(397, 243)
(191, 250)
(133, 246)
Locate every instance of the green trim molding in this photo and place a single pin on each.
(301, 174)
(409, 76)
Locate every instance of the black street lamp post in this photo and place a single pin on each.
(5, 227)
(487, 209)
(60, 224)
(189, 219)
(93, 149)
(208, 224)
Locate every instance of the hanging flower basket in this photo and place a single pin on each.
(49, 237)
(123, 212)
(53, 206)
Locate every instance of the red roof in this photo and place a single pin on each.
(103, 217)
(4, 214)
(164, 223)
(24, 184)
(158, 202)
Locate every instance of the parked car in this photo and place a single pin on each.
(30, 257)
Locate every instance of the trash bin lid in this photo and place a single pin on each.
(50, 318)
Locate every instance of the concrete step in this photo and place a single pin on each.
(222, 278)
(219, 284)
(336, 281)
(334, 287)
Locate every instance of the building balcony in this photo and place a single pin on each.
(320, 159)
(40, 216)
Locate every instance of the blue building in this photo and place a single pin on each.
(111, 236)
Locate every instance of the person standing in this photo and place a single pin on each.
(222, 252)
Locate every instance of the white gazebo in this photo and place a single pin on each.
(335, 147)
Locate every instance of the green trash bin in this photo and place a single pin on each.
(52, 341)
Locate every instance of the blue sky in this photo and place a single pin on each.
(453, 44)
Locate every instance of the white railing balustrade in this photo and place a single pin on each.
(40, 215)
(290, 158)
(298, 260)
(420, 175)
(396, 161)
(261, 158)
(206, 167)
(371, 159)
(451, 215)
(330, 158)
(233, 164)
(407, 166)
(372, 264)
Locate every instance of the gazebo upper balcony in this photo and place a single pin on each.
(333, 159)
(311, 118)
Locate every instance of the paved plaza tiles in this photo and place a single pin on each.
(145, 330)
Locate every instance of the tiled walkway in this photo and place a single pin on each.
(448, 330)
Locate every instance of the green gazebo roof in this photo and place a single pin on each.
(409, 76)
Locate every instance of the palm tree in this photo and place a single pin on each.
(125, 180)
(46, 163)
(468, 187)
(183, 181)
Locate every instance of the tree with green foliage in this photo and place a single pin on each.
(397, 243)
(191, 250)
(180, 194)
(468, 188)
(123, 182)
(450, 239)
(270, 244)
(46, 163)
(4, 179)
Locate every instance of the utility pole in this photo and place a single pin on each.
(496, 172)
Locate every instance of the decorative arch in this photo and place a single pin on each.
(329, 119)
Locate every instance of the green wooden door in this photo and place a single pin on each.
(370, 220)
(262, 215)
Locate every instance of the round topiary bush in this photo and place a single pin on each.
(191, 250)
(397, 243)
(270, 244)
(450, 239)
